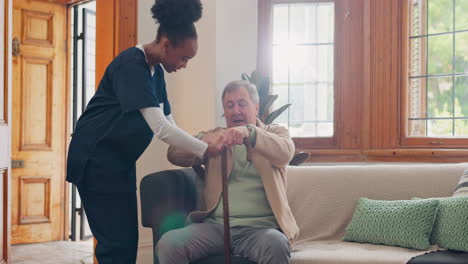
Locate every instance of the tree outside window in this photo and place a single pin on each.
(438, 69)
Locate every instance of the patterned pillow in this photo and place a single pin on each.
(462, 187)
(451, 225)
(404, 223)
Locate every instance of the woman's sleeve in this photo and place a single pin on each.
(171, 119)
(171, 134)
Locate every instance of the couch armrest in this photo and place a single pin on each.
(166, 198)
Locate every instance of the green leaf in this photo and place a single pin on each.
(266, 104)
(271, 117)
(245, 77)
(254, 77)
(263, 87)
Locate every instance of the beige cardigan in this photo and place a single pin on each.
(271, 154)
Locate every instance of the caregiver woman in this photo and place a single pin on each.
(129, 107)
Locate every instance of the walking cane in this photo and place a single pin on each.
(224, 182)
(227, 227)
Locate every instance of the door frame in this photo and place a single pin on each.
(116, 20)
(6, 86)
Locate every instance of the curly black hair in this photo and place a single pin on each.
(176, 18)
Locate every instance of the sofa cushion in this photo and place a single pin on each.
(451, 225)
(462, 187)
(404, 223)
(337, 251)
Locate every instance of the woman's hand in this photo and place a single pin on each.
(215, 141)
(226, 137)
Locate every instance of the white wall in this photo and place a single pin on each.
(236, 44)
(227, 37)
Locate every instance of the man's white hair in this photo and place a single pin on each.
(234, 85)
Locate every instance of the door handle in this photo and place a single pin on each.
(16, 51)
(17, 164)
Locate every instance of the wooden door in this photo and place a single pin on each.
(5, 128)
(39, 129)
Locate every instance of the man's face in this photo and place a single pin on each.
(239, 109)
(177, 57)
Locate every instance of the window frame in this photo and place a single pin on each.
(264, 66)
(406, 141)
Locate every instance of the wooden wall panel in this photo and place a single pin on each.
(349, 101)
(380, 99)
(36, 114)
(34, 200)
(37, 28)
(116, 22)
(128, 27)
(105, 40)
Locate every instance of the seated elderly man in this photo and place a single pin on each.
(262, 225)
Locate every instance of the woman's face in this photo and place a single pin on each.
(176, 58)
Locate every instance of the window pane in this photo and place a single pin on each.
(437, 91)
(440, 14)
(305, 26)
(280, 65)
(439, 128)
(439, 97)
(461, 128)
(461, 19)
(311, 64)
(461, 96)
(461, 52)
(311, 91)
(417, 63)
(280, 23)
(440, 54)
(417, 95)
(325, 129)
(311, 109)
(417, 128)
(303, 67)
(418, 17)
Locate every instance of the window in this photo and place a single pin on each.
(303, 66)
(437, 71)
(369, 80)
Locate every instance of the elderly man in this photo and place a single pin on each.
(262, 225)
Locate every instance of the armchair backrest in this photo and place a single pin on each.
(166, 199)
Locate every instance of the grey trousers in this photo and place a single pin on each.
(193, 242)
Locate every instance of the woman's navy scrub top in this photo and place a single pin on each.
(112, 134)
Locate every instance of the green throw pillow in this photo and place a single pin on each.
(404, 223)
(451, 225)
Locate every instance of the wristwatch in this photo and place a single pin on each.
(250, 128)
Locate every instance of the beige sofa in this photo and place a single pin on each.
(323, 199)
